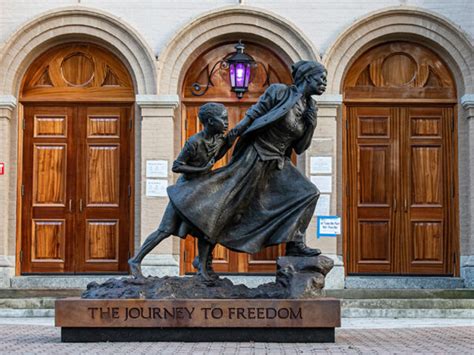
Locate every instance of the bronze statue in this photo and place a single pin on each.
(259, 199)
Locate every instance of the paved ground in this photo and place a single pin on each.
(361, 336)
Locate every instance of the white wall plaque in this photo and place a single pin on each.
(329, 226)
(156, 168)
(321, 165)
(323, 183)
(156, 187)
(323, 206)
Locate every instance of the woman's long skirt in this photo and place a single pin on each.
(246, 205)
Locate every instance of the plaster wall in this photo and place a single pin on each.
(321, 20)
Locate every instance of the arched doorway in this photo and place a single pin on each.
(271, 68)
(400, 160)
(77, 162)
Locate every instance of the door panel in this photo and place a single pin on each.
(102, 241)
(48, 241)
(103, 192)
(373, 181)
(49, 175)
(426, 189)
(49, 184)
(103, 178)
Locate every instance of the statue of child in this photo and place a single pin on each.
(200, 152)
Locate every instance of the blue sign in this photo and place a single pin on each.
(328, 226)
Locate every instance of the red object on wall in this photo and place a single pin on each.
(2, 168)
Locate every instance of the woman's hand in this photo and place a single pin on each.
(309, 114)
(233, 134)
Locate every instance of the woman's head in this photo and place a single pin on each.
(312, 72)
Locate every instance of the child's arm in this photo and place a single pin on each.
(180, 165)
(182, 168)
(229, 140)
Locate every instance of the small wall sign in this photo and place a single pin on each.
(2, 168)
(328, 226)
(321, 165)
(322, 182)
(156, 188)
(156, 168)
(323, 206)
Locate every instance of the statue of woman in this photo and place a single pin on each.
(260, 198)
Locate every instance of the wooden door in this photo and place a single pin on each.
(270, 69)
(401, 175)
(77, 162)
(76, 189)
(400, 163)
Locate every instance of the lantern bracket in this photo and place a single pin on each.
(200, 89)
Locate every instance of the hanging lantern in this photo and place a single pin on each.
(240, 65)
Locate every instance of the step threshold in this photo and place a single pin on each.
(403, 282)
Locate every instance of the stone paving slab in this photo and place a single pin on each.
(35, 339)
(346, 323)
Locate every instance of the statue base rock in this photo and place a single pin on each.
(296, 277)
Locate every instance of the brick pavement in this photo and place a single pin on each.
(36, 339)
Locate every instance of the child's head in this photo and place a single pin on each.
(214, 116)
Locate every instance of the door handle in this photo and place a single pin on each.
(406, 205)
(70, 205)
(395, 204)
(80, 205)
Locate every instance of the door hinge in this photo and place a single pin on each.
(186, 125)
(347, 124)
(22, 190)
(24, 124)
(130, 124)
(21, 256)
(129, 190)
(185, 255)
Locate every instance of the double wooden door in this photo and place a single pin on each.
(401, 189)
(76, 188)
(224, 259)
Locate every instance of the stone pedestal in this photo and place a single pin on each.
(85, 320)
